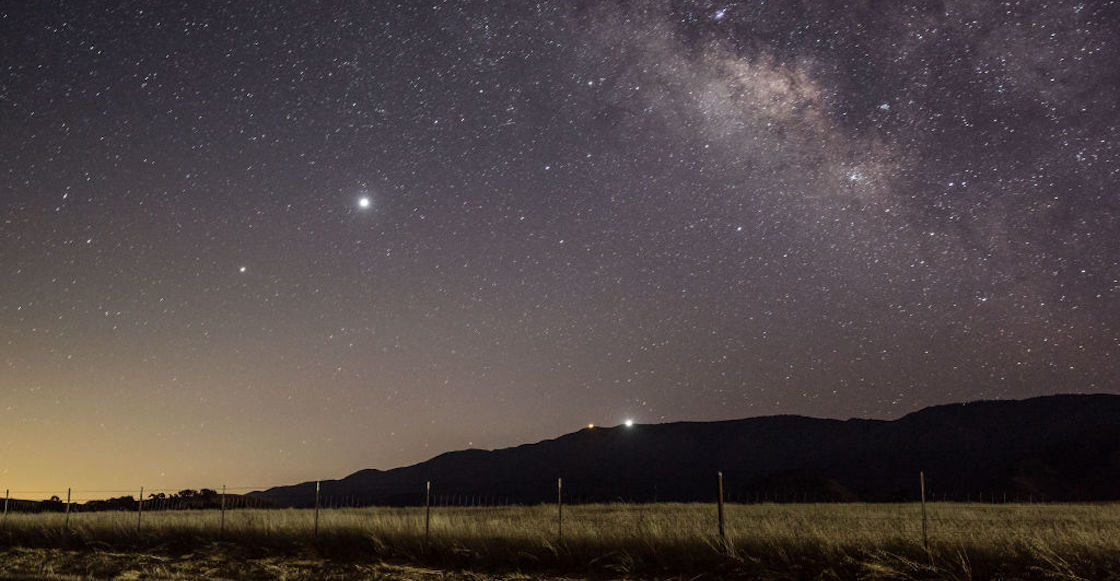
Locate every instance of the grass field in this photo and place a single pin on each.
(766, 541)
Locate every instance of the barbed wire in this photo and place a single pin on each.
(981, 501)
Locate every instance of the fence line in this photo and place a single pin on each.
(923, 525)
(920, 525)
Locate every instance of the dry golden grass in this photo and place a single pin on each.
(767, 541)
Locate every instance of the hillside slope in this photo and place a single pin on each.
(1064, 447)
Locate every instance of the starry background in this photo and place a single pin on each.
(578, 212)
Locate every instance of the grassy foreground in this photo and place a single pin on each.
(767, 541)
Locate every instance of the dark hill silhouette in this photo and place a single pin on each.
(1055, 448)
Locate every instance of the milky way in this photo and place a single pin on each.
(258, 244)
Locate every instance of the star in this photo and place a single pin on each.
(687, 211)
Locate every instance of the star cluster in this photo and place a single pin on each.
(268, 242)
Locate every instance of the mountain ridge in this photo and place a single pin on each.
(1034, 448)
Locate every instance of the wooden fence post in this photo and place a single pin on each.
(559, 510)
(427, 509)
(140, 509)
(925, 520)
(317, 509)
(222, 524)
(719, 505)
(66, 523)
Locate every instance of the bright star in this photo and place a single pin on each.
(363, 202)
(242, 269)
(629, 423)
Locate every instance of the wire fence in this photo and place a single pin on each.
(236, 497)
(920, 518)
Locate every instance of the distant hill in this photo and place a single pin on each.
(1055, 448)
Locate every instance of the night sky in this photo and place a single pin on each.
(575, 212)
